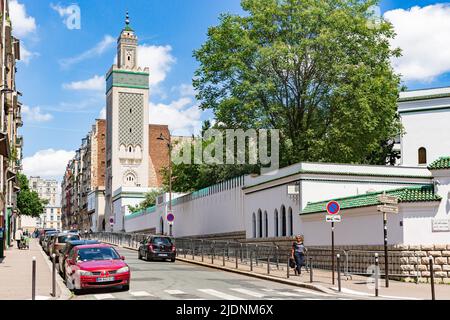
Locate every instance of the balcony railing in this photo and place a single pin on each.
(19, 141)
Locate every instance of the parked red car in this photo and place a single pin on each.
(96, 266)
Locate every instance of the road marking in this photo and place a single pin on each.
(312, 292)
(281, 293)
(174, 292)
(365, 294)
(103, 296)
(248, 292)
(220, 294)
(141, 294)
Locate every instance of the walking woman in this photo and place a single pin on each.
(298, 252)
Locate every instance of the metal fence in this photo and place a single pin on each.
(272, 257)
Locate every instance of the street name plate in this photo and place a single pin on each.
(388, 199)
(334, 218)
(388, 209)
(440, 225)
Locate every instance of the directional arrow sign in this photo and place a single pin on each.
(388, 209)
(388, 199)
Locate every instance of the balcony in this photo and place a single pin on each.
(19, 141)
(19, 122)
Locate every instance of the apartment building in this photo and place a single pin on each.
(11, 142)
(48, 190)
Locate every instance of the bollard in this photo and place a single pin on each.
(338, 260)
(54, 275)
(310, 270)
(223, 262)
(277, 259)
(236, 254)
(212, 255)
(202, 252)
(377, 275)
(268, 263)
(228, 250)
(288, 266)
(433, 294)
(242, 252)
(251, 260)
(33, 279)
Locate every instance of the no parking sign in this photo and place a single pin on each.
(333, 209)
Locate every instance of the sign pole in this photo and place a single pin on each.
(386, 257)
(332, 251)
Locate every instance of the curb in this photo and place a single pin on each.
(251, 274)
(66, 294)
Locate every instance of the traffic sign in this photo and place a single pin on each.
(388, 209)
(111, 221)
(334, 218)
(387, 199)
(170, 217)
(333, 207)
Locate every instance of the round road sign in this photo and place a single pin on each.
(170, 217)
(333, 207)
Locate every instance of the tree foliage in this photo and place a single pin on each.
(28, 201)
(319, 71)
(150, 201)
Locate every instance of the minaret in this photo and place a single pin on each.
(127, 47)
(127, 122)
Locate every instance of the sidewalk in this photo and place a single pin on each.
(16, 275)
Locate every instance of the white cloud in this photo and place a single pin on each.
(106, 43)
(159, 59)
(62, 11)
(47, 163)
(23, 24)
(35, 114)
(182, 116)
(423, 34)
(25, 55)
(102, 114)
(185, 90)
(96, 83)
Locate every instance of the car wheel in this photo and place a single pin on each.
(148, 258)
(139, 255)
(172, 260)
(126, 288)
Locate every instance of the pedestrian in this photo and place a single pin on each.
(18, 237)
(298, 252)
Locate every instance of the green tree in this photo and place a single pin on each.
(150, 200)
(317, 70)
(28, 201)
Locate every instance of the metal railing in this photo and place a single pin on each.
(273, 257)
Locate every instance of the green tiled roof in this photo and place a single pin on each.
(441, 163)
(410, 194)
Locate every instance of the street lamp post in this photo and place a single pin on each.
(169, 145)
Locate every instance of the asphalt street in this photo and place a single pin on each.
(183, 281)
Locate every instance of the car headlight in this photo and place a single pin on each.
(85, 273)
(123, 270)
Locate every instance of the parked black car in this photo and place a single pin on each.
(157, 247)
(64, 253)
(43, 232)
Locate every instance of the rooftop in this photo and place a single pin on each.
(441, 163)
(410, 194)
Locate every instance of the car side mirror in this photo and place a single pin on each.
(122, 257)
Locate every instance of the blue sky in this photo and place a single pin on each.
(61, 75)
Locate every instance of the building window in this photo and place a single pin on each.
(283, 222)
(254, 225)
(276, 231)
(422, 156)
(260, 224)
(291, 222)
(266, 225)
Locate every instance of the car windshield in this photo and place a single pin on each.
(161, 240)
(91, 254)
(65, 238)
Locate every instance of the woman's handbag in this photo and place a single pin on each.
(292, 263)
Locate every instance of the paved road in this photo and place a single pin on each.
(183, 281)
